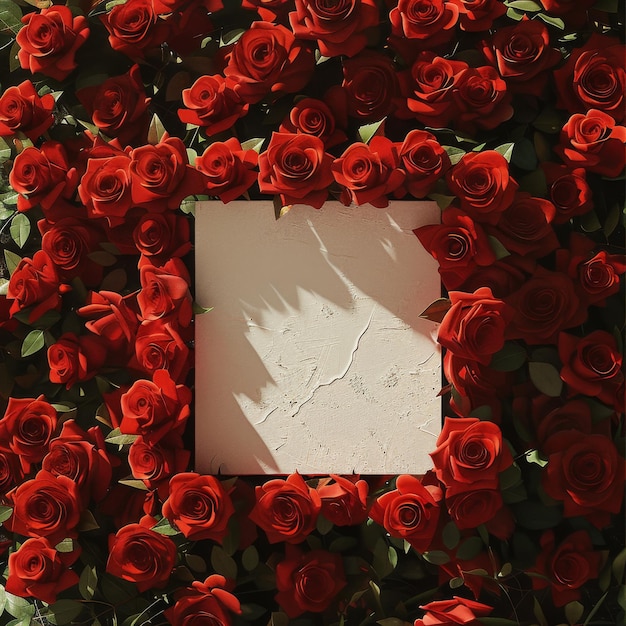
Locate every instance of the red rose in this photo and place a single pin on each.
(593, 141)
(11, 473)
(268, 59)
(474, 326)
(155, 408)
(297, 167)
(22, 110)
(574, 14)
(470, 455)
(162, 235)
(198, 506)
(368, 173)
(313, 117)
(594, 77)
(46, 506)
(479, 15)
(37, 570)
(410, 512)
(213, 103)
(209, 601)
(569, 191)
(482, 183)
(308, 581)
(455, 611)
(567, 568)
(338, 28)
(160, 346)
(503, 277)
(164, 291)
(458, 244)
(74, 359)
(141, 556)
(599, 276)
(49, 40)
(472, 573)
(470, 509)
(286, 510)
(27, 428)
(344, 502)
(119, 107)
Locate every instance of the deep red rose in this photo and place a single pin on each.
(27, 428)
(410, 512)
(297, 167)
(205, 602)
(37, 570)
(470, 509)
(479, 15)
(141, 555)
(451, 612)
(287, 509)
(212, 103)
(470, 571)
(586, 473)
(35, 285)
(474, 326)
(127, 505)
(566, 568)
(162, 236)
(458, 244)
(483, 185)
(45, 506)
(594, 77)
(522, 55)
(11, 473)
(470, 455)
(598, 276)
(22, 110)
(313, 117)
(188, 27)
(344, 502)
(369, 173)
(569, 191)
(199, 506)
(268, 59)
(503, 277)
(74, 359)
(49, 40)
(119, 107)
(168, 6)
(593, 141)
(308, 581)
(337, 27)
(164, 292)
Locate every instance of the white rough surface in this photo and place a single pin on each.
(314, 357)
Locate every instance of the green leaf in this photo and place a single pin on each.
(200, 310)
(534, 456)
(10, 20)
(539, 614)
(4, 286)
(589, 222)
(451, 535)
(188, 205)
(455, 154)
(19, 607)
(88, 582)
(156, 130)
(573, 612)
(524, 5)
(102, 258)
(557, 22)
(506, 150)
(606, 6)
(20, 229)
(33, 342)
(619, 565)
(442, 201)
(253, 144)
(534, 183)
(514, 14)
(67, 545)
(250, 558)
(510, 477)
(498, 249)
(470, 549)
(163, 527)
(196, 563)
(64, 611)
(231, 37)
(436, 557)
(222, 563)
(367, 131)
(5, 513)
(509, 358)
(116, 437)
(381, 563)
(134, 484)
(12, 260)
(87, 521)
(612, 220)
(548, 121)
(546, 378)
(5, 152)
(323, 525)
(496, 621)
(524, 155)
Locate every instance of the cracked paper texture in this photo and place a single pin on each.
(314, 357)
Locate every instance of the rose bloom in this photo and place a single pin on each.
(37, 570)
(199, 506)
(73, 359)
(455, 611)
(599, 276)
(162, 235)
(566, 568)
(49, 40)
(308, 581)
(297, 167)
(141, 556)
(470, 570)
(472, 508)
(165, 291)
(11, 473)
(287, 509)
(344, 502)
(479, 15)
(503, 276)
(208, 602)
(410, 512)
(338, 28)
(569, 191)
(267, 59)
(470, 455)
(159, 345)
(22, 110)
(27, 428)
(313, 117)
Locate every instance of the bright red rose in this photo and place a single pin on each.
(470, 455)
(11, 473)
(451, 612)
(74, 359)
(155, 408)
(119, 107)
(410, 512)
(198, 506)
(209, 601)
(369, 173)
(286, 510)
(344, 502)
(49, 40)
(159, 345)
(479, 15)
(297, 167)
(162, 236)
(308, 581)
(268, 59)
(22, 110)
(212, 103)
(585, 473)
(594, 77)
(27, 428)
(569, 191)
(313, 117)
(46, 506)
(566, 568)
(164, 291)
(37, 570)
(593, 141)
(338, 27)
(141, 556)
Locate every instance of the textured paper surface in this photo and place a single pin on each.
(314, 357)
